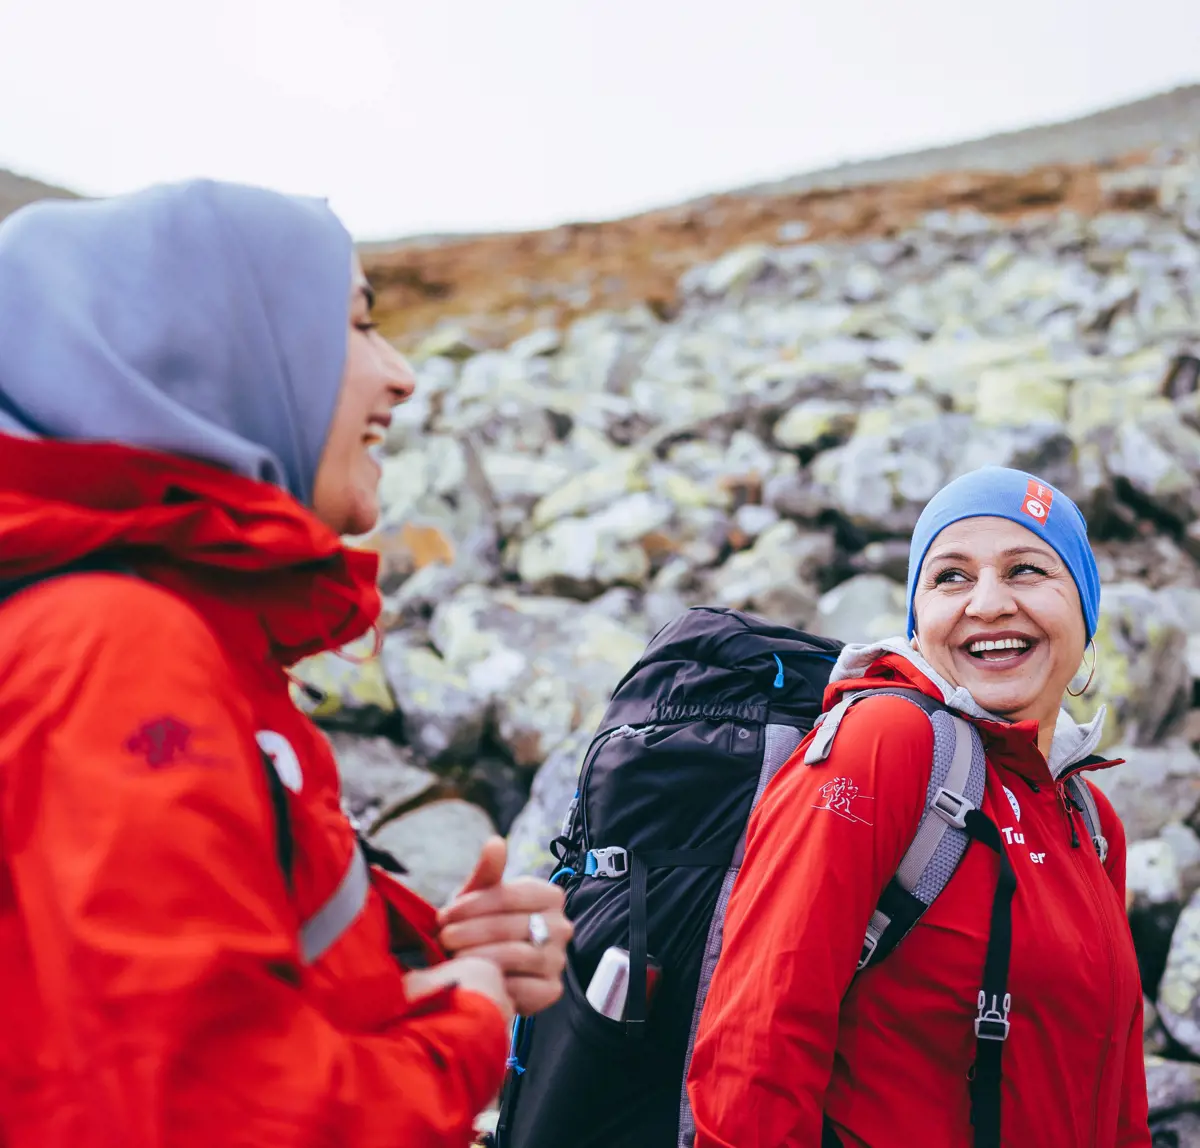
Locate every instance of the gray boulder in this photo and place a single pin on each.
(1156, 785)
(1142, 673)
(1171, 1085)
(774, 578)
(377, 775)
(549, 798)
(444, 718)
(1179, 990)
(866, 608)
(545, 662)
(439, 844)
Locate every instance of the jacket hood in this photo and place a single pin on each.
(880, 664)
(248, 542)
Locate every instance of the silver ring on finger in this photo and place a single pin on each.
(539, 931)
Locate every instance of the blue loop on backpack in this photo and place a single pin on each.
(565, 873)
(778, 676)
(514, 1061)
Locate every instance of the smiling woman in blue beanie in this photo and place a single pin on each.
(927, 942)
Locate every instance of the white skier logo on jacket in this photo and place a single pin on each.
(840, 796)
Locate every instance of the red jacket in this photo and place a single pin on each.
(787, 1035)
(152, 990)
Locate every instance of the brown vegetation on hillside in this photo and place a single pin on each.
(501, 286)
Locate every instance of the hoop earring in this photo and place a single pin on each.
(1095, 656)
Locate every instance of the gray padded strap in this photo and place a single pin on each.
(331, 920)
(948, 807)
(1084, 798)
(826, 728)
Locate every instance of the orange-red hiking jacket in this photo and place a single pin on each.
(153, 989)
(789, 1033)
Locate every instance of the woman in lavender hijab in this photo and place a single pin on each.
(195, 948)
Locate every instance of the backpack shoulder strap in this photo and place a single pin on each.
(1085, 801)
(956, 785)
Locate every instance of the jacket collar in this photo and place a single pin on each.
(192, 527)
(1012, 744)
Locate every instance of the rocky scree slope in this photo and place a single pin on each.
(768, 446)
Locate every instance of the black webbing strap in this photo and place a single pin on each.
(640, 864)
(829, 1138)
(991, 1023)
(285, 848)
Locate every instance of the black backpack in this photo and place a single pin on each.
(649, 851)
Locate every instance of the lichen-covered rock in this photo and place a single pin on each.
(815, 422)
(1179, 991)
(1017, 395)
(1152, 874)
(345, 689)
(581, 556)
(444, 718)
(882, 481)
(544, 662)
(1142, 673)
(774, 578)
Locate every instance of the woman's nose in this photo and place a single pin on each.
(990, 597)
(401, 382)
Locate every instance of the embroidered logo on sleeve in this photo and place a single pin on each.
(841, 796)
(165, 741)
(1038, 500)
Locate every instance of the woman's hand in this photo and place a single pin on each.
(471, 973)
(491, 918)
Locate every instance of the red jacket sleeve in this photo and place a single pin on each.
(821, 847)
(1133, 1125)
(158, 921)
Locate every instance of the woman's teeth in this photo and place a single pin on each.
(1007, 646)
(374, 441)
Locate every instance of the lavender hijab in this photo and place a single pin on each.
(200, 319)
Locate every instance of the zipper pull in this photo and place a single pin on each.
(1065, 801)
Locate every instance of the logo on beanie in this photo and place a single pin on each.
(1038, 500)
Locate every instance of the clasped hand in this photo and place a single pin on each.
(488, 923)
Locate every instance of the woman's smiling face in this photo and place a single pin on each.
(998, 613)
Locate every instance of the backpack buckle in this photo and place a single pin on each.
(870, 944)
(952, 808)
(611, 861)
(1101, 844)
(992, 1023)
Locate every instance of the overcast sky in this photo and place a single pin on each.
(474, 114)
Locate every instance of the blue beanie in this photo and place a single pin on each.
(997, 492)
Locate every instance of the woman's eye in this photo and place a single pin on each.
(1027, 568)
(948, 576)
(367, 326)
